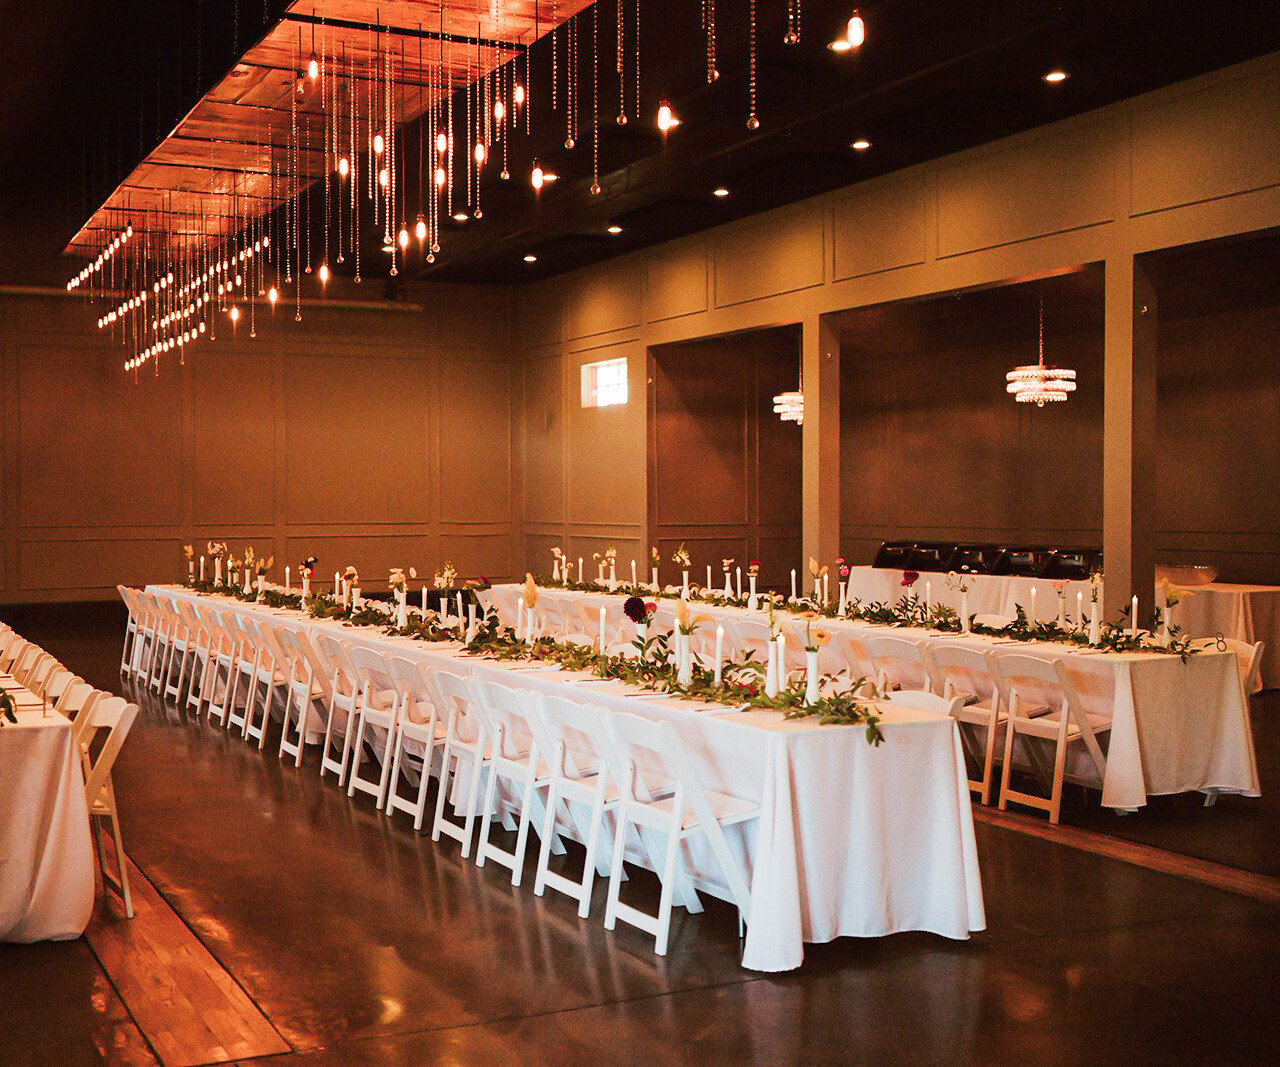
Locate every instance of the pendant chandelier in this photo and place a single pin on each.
(1039, 384)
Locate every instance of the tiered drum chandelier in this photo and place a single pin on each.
(391, 127)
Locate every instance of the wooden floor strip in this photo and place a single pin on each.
(1206, 872)
(188, 1006)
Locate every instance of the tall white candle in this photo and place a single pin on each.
(401, 609)
(345, 590)
(460, 611)
(286, 580)
(633, 574)
(826, 589)
(771, 671)
(1095, 630)
(520, 618)
(684, 584)
(928, 596)
(719, 652)
(708, 585)
(739, 583)
(793, 583)
(1032, 614)
(613, 575)
(337, 584)
(1133, 618)
(782, 661)
(202, 568)
(1062, 609)
(964, 612)
(217, 570)
(1079, 609)
(602, 613)
(424, 600)
(579, 570)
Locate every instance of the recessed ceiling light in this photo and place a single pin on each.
(1056, 77)
(720, 191)
(460, 216)
(860, 145)
(615, 229)
(530, 258)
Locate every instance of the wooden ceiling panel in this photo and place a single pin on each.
(225, 143)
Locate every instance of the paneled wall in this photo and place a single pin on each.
(932, 448)
(362, 436)
(1192, 162)
(1217, 466)
(724, 470)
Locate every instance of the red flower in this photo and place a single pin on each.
(910, 577)
(650, 607)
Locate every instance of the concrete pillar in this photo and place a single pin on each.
(1129, 437)
(820, 512)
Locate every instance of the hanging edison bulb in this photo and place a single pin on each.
(403, 238)
(273, 295)
(440, 177)
(442, 142)
(384, 177)
(234, 313)
(518, 95)
(313, 67)
(344, 167)
(855, 35)
(480, 153)
(379, 144)
(324, 273)
(667, 120)
(536, 178)
(420, 228)
(499, 110)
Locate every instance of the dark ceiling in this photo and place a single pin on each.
(88, 87)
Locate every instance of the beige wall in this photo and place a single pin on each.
(1195, 161)
(368, 437)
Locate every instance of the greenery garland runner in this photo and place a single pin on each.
(741, 683)
(911, 611)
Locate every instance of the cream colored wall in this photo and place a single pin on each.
(365, 437)
(1192, 162)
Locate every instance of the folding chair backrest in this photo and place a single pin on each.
(12, 651)
(920, 700)
(334, 652)
(1020, 674)
(500, 706)
(372, 673)
(639, 743)
(458, 699)
(26, 661)
(578, 727)
(413, 687)
(116, 715)
(1248, 657)
(41, 672)
(965, 671)
(899, 660)
(75, 698)
(58, 683)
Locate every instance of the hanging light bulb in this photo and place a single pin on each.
(383, 177)
(234, 313)
(442, 142)
(403, 237)
(440, 177)
(344, 167)
(518, 95)
(667, 120)
(272, 296)
(313, 67)
(479, 153)
(324, 273)
(499, 110)
(378, 144)
(537, 177)
(420, 229)
(855, 35)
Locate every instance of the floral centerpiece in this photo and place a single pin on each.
(445, 577)
(190, 554)
(218, 552)
(640, 612)
(559, 565)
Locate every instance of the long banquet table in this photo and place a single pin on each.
(1176, 726)
(46, 854)
(852, 840)
(1245, 612)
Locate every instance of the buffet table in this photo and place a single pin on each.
(46, 855)
(1176, 725)
(1246, 613)
(852, 840)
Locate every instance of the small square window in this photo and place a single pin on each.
(604, 384)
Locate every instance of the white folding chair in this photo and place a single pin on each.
(419, 732)
(58, 683)
(75, 699)
(689, 811)
(464, 747)
(223, 663)
(1248, 656)
(270, 662)
(248, 656)
(899, 663)
(377, 712)
(580, 781)
(967, 673)
(514, 734)
(136, 612)
(1023, 681)
(344, 691)
(116, 716)
(307, 691)
(195, 636)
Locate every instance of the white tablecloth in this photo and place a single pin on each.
(1175, 726)
(46, 856)
(1245, 612)
(851, 841)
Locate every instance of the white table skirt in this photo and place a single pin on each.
(46, 855)
(1245, 612)
(1175, 726)
(852, 840)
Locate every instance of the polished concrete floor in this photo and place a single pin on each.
(362, 942)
